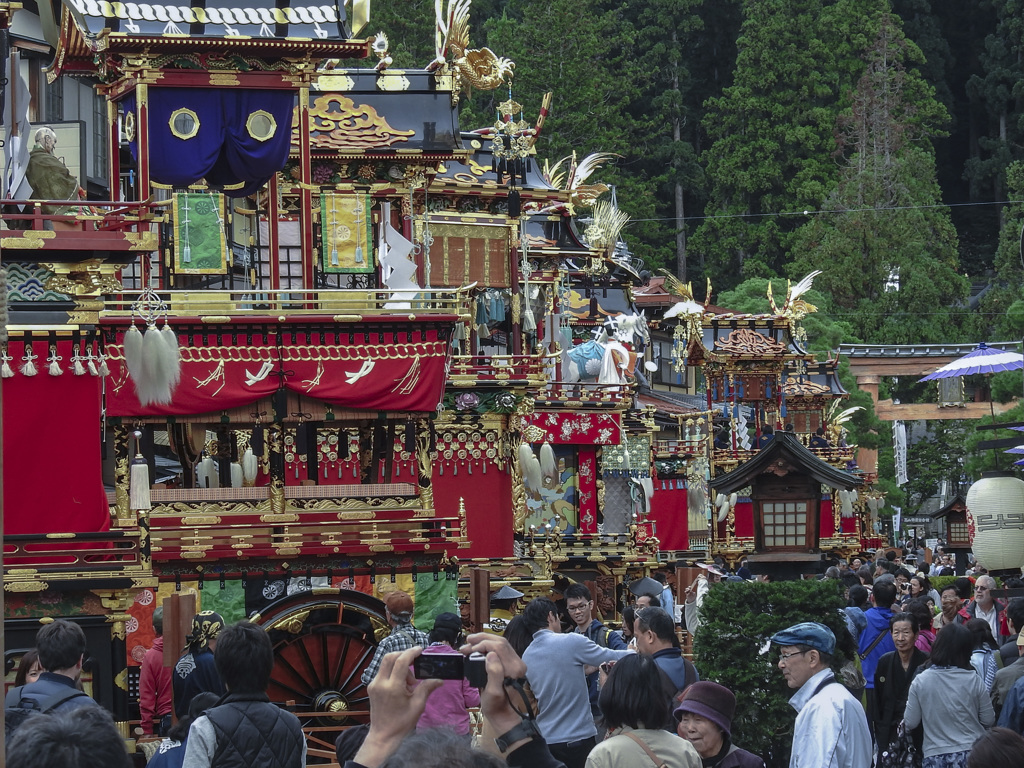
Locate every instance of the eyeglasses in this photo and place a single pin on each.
(577, 608)
(785, 657)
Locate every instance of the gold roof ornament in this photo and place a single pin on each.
(470, 67)
(572, 177)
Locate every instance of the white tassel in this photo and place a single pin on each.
(548, 467)
(54, 361)
(103, 370)
(138, 496)
(236, 475)
(530, 467)
(250, 466)
(29, 366)
(154, 385)
(90, 363)
(133, 354)
(208, 474)
(5, 369)
(76, 366)
(172, 357)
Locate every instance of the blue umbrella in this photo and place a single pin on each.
(984, 359)
(1018, 449)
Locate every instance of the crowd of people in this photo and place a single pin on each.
(563, 689)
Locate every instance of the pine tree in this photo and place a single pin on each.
(887, 251)
(772, 130)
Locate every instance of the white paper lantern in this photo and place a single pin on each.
(995, 513)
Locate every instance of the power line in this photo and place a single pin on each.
(809, 212)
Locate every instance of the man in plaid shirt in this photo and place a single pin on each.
(404, 635)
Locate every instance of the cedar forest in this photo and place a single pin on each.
(881, 141)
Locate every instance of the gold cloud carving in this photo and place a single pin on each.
(337, 122)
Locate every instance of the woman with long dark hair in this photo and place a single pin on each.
(948, 698)
(636, 701)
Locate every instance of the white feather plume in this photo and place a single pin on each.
(548, 466)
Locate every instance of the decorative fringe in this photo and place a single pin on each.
(138, 496)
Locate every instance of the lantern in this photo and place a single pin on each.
(995, 512)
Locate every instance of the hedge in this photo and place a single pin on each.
(731, 647)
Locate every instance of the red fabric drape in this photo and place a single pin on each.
(395, 371)
(52, 455)
(586, 471)
(669, 512)
(488, 509)
(572, 428)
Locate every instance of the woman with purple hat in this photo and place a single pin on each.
(704, 718)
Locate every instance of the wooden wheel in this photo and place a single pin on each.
(323, 640)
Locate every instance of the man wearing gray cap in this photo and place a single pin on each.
(831, 729)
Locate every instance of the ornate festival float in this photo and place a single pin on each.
(319, 345)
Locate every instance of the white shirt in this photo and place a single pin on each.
(992, 617)
(831, 728)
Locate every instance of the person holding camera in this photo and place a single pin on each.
(448, 706)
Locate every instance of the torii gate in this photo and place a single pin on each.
(870, 362)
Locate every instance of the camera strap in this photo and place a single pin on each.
(518, 684)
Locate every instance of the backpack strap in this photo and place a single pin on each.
(648, 750)
(874, 644)
(54, 701)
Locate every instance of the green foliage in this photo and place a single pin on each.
(730, 649)
(936, 457)
(979, 461)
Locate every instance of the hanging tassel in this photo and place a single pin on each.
(155, 384)
(103, 370)
(54, 361)
(237, 476)
(133, 354)
(5, 370)
(172, 356)
(208, 473)
(76, 365)
(138, 495)
(28, 368)
(249, 467)
(548, 467)
(515, 206)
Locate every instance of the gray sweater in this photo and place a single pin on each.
(954, 707)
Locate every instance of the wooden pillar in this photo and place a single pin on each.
(867, 458)
(479, 598)
(178, 612)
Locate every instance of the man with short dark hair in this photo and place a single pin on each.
(61, 648)
(831, 730)
(952, 608)
(83, 737)
(875, 640)
(245, 728)
(398, 608)
(555, 668)
(580, 605)
(656, 637)
(155, 683)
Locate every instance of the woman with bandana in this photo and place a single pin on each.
(196, 671)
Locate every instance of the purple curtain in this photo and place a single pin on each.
(222, 151)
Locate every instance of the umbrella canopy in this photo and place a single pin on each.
(1018, 449)
(1019, 463)
(984, 359)
(646, 586)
